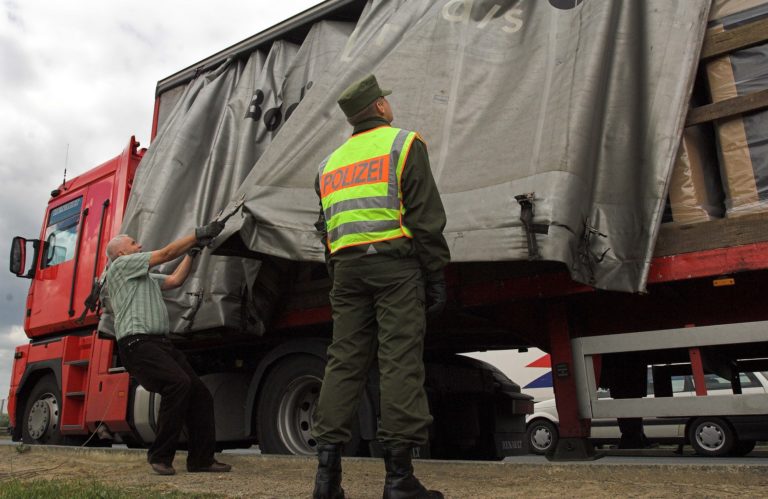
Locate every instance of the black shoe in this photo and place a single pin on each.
(328, 478)
(163, 469)
(400, 482)
(216, 467)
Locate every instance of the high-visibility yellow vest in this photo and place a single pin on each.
(360, 188)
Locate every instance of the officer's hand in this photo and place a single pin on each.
(194, 251)
(206, 233)
(436, 293)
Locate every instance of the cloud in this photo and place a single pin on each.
(16, 70)
(10, 8)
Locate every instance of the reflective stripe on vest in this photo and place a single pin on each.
(360, 188)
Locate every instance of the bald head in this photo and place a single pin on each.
(122, 244)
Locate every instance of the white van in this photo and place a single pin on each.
(712, 436)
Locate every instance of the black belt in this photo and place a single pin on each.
(136, 338)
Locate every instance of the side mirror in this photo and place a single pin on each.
(19, 250)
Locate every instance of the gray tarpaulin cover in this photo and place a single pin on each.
(218, 127)
(580, 102)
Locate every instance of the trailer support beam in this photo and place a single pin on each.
(573, 444)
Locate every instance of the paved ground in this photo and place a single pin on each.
(618, 475)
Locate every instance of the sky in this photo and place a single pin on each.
(77, 79)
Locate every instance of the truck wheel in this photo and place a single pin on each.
(542, 436)
(711, 437)
(40, 424)
(286, 405)
(742, 448)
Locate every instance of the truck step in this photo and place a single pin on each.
(76, 394)
(115, 370)
(78, 363)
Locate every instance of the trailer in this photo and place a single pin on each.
(264, 358)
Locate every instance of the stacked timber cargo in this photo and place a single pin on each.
(695, 192)
(742, 139)
(698, 192)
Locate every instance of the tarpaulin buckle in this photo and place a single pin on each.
(531, 229)
(589, 259)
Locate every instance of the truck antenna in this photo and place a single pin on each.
(56, 192)
(66, 163)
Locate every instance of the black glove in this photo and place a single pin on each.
(437, 295)
(194, 251)
(206, 233)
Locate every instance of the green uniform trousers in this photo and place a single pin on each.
(378, 310)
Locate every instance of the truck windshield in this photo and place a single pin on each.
(61, 233)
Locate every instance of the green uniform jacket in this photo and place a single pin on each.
(424, 215)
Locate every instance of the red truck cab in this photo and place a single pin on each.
(82, 215)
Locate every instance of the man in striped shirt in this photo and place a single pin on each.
(142, 327)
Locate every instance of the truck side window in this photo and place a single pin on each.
(61, 233)
(678, 384)
(715, 382)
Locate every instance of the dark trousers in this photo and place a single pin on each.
(626, 376)
(378, 312)
(161, 368)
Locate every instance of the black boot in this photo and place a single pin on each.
(328, 478)
(400, 482)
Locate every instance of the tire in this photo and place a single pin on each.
(542, 436)
(286, 406)
(742, 448)
(40, 424)
(711, 437)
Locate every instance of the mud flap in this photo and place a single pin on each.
(511, 444)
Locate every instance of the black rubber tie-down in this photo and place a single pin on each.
(531, 229)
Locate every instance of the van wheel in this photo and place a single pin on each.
(542, 436)
(711, 436)
(40, 424)
(286, 407)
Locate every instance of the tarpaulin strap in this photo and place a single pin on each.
(198, 295)
(224, 216)
(192, 312)
(588, 258)
(531, 229)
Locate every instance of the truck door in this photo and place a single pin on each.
(68, 258)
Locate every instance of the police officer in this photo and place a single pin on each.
(382, 221)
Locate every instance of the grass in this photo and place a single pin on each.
(55, 489)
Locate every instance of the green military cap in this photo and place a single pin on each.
(360, 94)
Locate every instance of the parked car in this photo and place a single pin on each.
(712, 436)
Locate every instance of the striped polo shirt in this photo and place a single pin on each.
(135, 296)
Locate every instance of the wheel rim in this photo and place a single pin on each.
(710, 436)
(294, 417)
(43, 417)
(541, 438)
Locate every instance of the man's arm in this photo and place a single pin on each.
(425, 216)
(202, 236)
(179, 275)
(424, 212)
(172, 251)
(322, 229)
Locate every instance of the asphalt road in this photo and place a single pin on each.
(664, 455)
(660, 456)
